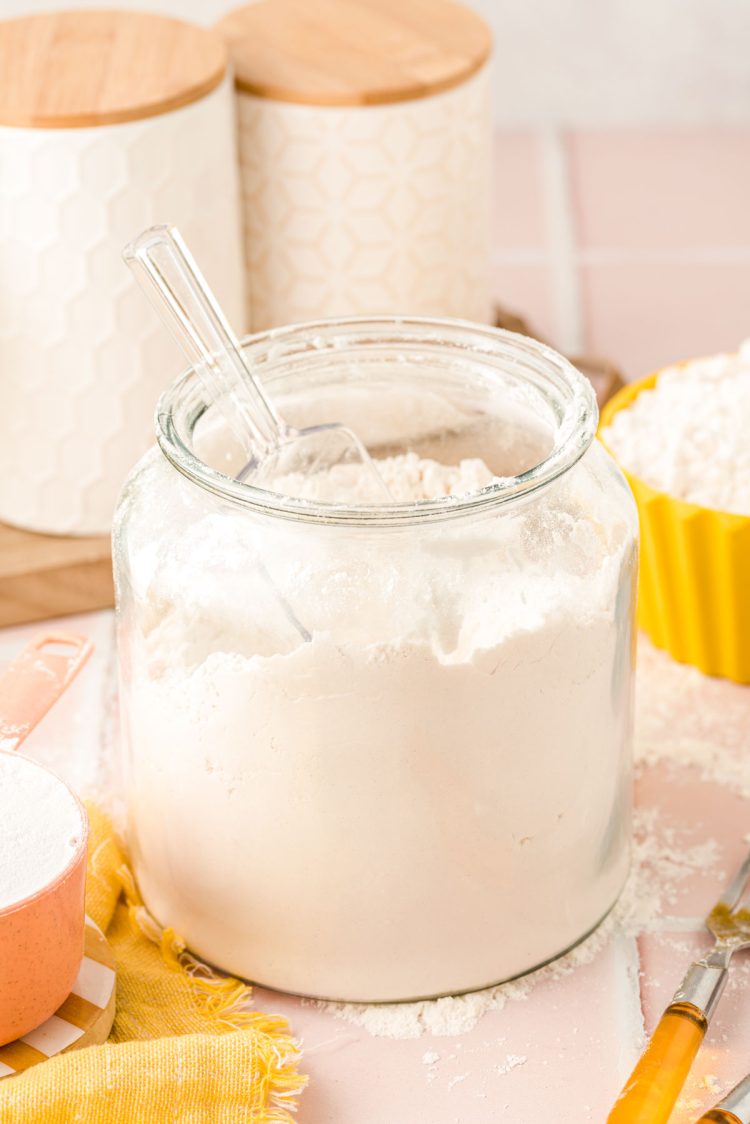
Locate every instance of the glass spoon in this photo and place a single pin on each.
(167, 270)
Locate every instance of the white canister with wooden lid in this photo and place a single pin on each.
(109, 121)
(365, 152)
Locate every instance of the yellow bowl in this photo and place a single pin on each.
(694, 584)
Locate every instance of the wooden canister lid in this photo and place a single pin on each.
(354, 52)
(74, 69)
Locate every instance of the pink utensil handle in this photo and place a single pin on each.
(35, 679)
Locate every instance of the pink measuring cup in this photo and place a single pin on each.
(42, 935)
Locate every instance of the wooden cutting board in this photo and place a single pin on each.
(44, 576)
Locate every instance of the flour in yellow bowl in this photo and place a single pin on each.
(681, 438)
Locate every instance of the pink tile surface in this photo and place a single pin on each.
(525, 289)
(647, 314)
(652, 189)
(657, 237)
(516, 1062)
(517, 192)
(701, 814)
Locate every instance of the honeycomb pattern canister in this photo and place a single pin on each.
(109, 122)
(365, 146)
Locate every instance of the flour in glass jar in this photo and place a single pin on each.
(444, 757)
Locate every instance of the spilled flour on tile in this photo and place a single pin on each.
(512, 1061)
(676, 722)
(456, 1080)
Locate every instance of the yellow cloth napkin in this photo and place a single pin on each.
(185, 1047)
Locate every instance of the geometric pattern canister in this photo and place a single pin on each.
(368, 209)
(365, 154)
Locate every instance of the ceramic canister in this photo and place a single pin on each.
(364, 138)
(109, 122)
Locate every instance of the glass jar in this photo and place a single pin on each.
(382, 753)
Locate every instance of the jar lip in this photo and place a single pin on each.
(573, 435)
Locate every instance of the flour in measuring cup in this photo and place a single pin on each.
(41, 828)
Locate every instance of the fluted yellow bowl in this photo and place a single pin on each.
(694, 584)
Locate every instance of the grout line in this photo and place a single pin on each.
(681, 925)
(629, 1006)
(561, 236)
(691, 255)
(615, 255)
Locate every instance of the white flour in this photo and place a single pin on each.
(432, 793)
(408, 477)
(41, 828)
(689, 435)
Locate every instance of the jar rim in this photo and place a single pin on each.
(572, 392)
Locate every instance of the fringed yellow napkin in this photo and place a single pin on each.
(185, 1047)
